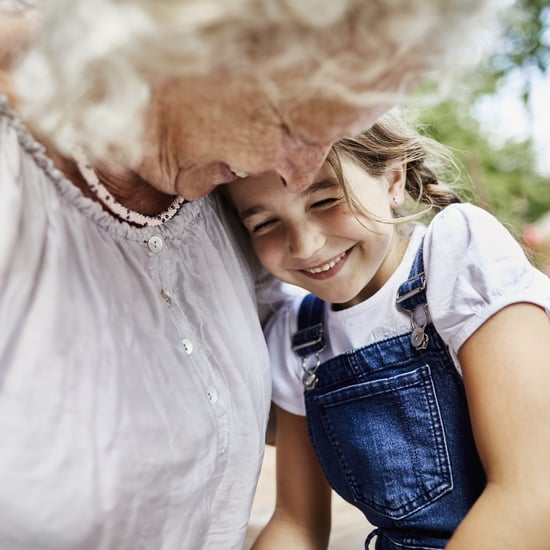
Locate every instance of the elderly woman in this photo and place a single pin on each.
(134, 380)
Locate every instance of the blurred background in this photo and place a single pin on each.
(497, 121)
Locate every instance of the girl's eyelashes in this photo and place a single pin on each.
(326, 202)
(257, 228)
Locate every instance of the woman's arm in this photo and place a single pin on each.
(301, 519)
(506, 369)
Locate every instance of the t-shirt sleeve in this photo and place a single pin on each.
(474, 268)
(285, 364)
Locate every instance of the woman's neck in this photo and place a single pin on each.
(126, 186)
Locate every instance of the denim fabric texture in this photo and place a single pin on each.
(390, 426)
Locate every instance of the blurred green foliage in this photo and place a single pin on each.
(503, 177)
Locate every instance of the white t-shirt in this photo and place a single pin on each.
(473, 268)
(134, 376)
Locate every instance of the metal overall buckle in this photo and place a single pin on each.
(419, 339)
(310, 378)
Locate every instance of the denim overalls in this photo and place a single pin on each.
(390, 426)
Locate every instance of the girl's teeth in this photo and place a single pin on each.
(327, 266)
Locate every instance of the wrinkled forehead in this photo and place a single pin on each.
(315, 109)
(319, 115)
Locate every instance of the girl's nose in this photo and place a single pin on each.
(305, 240)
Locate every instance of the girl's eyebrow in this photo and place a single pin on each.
(252, 211)
(321, 185)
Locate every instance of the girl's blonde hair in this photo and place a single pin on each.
(431, 170)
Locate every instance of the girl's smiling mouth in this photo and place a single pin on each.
(328, 269)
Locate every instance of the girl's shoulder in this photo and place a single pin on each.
(467, 233)
(464, 221)
(474, 267)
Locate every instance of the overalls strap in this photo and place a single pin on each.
(310, 337)
(413, 291)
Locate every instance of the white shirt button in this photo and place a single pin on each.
(187, 346)
(155, 243)
(166, 297)
(212, 394)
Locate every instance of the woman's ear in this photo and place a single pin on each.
(396, 176)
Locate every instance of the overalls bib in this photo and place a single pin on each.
(390, 425)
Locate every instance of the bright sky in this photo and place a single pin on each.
(504, 117)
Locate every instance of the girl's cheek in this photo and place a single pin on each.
(269, 251)
(260, 250)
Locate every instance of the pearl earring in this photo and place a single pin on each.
(396, 200)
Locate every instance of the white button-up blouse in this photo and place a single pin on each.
(134, 379)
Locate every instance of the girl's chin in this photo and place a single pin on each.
(337, 301)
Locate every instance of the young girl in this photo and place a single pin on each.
(420, 365)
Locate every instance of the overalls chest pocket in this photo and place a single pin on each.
(387, 444)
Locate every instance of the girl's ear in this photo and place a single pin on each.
(396, 176)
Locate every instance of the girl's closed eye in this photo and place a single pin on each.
(324, 194)
(260, 227)
(324, 203)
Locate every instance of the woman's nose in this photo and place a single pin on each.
(300, 164)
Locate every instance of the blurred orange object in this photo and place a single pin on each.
(537, 238)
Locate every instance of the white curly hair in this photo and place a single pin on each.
(89, 70)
